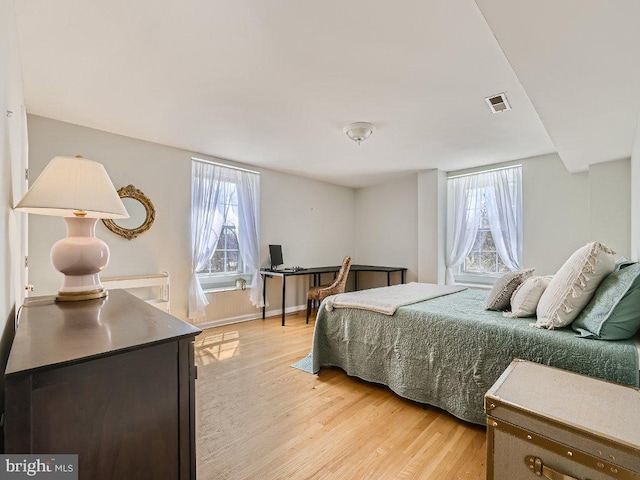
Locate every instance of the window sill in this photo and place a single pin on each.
(486, 280)
(223, 283)
(227, 288)
(475, 286)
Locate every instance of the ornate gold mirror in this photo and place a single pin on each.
(141, 214)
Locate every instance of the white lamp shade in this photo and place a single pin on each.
(68, 185)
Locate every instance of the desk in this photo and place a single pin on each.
(316, 272)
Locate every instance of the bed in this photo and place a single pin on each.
(448, 351)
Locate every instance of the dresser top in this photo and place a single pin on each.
(51, 334)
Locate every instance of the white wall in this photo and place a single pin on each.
(556, 212)
(635, 196)
(13, 157)
(610, 205)
(312, 220)
(562, 211)
(387, 228)
(432, 225)
(162, 173)
(398, 223)
(7, 302)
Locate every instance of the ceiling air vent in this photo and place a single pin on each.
(498, 103)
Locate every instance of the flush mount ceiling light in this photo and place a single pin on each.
(359, 131)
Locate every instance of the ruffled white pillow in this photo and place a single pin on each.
(524, 300)
(573, 286)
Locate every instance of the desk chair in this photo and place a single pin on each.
(323, 291)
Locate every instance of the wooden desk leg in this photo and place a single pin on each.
(402, 275)
(284, 294)
(388, 279)
(264, 295)
(355, 281)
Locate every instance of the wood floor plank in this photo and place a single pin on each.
(258, 418)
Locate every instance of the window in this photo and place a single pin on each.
(484, 225)
(224, 224)
(226, 259)
(484, 257)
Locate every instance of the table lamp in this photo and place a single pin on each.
(80, 191)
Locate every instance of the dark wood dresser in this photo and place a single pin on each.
(112, 380)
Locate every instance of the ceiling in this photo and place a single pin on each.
(579, 62)
(273, 83)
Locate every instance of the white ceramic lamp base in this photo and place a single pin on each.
(80, 257)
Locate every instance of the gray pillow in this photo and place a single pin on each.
(614, 311)
(500, 295)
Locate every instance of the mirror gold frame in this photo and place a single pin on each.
(130, 233)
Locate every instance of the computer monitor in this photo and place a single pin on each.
(275, 252)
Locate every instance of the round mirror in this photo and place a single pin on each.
(141, 214)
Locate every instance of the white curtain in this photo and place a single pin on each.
(504, 210)
(248, 191)
(502, 190)
(207, 219)
(464, 200)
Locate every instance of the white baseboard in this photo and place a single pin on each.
(248, 317)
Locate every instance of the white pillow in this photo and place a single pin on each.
(524, 300)
(573, 286)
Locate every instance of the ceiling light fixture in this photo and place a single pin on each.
(359, 131)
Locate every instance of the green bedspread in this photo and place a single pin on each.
(449, 351)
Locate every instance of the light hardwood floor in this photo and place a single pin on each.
(258, 418)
